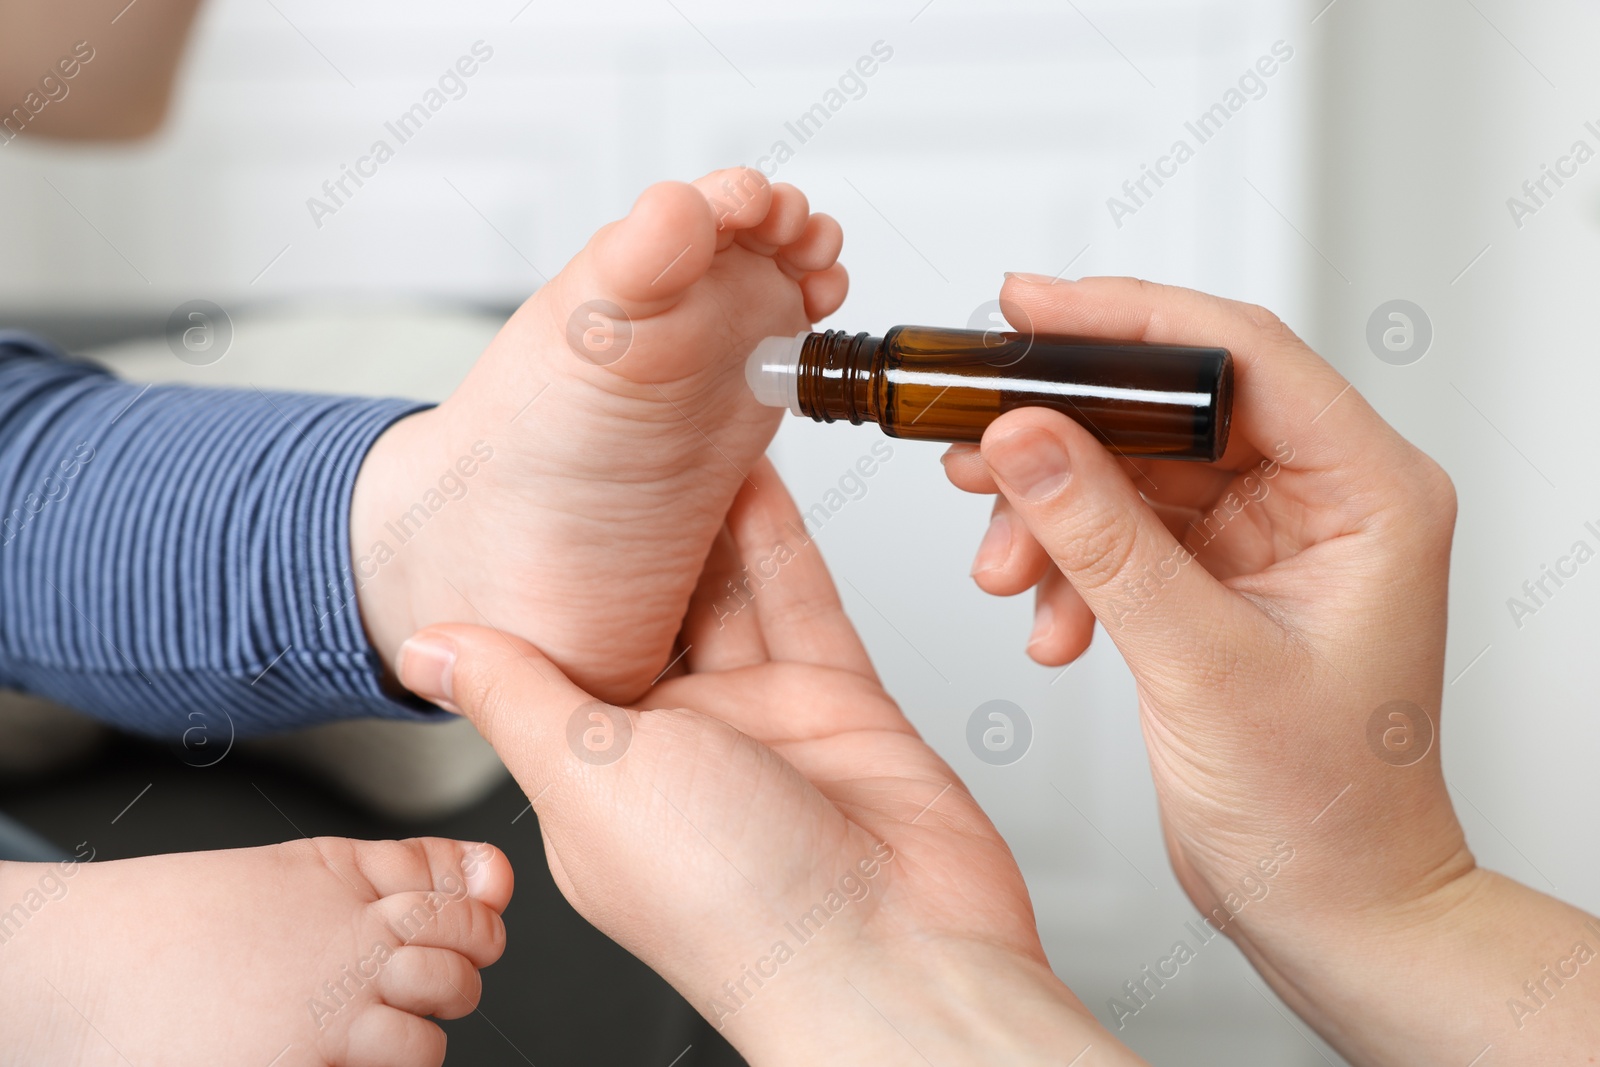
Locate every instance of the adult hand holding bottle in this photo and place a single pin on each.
(1283, 614)
(790, 855)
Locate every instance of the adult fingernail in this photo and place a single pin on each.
(1034, 279)
(996, 546)
(1044, 620)
(425, 665)
(1030, 461)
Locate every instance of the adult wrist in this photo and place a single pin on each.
(950, 1002)
(1403, 982)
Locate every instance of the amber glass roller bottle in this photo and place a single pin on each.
(932, 384)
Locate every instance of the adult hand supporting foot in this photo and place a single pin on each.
(1283, 613)
(790, 855)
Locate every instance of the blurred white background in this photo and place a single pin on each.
(1375, 166)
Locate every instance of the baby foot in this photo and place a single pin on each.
(608, 428)
(310, 954)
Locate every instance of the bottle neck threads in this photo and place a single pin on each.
(835, 377)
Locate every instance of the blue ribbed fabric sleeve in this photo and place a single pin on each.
(172, 556)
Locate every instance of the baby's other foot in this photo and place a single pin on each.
(312, 954)
(609, 427)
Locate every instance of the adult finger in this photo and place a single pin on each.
(1063, 625)
(1162, 609)
(721, 631)
(1287, 399)
(802, 619)
(1008, 561)
(520, 702)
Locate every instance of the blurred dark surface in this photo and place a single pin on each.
(562, 994)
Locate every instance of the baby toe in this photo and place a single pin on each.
(740, 197)
(817, 246)
(487, 874)
(649, 258)
(430, 981)
(785, 222)
(824, 291)
(436, 920)
(382, 1036)
(422, 863)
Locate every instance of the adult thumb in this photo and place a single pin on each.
(520, 702)
(1162, 608)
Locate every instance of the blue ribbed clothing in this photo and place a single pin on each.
(174, 558)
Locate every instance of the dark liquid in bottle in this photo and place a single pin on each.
(927, 383)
